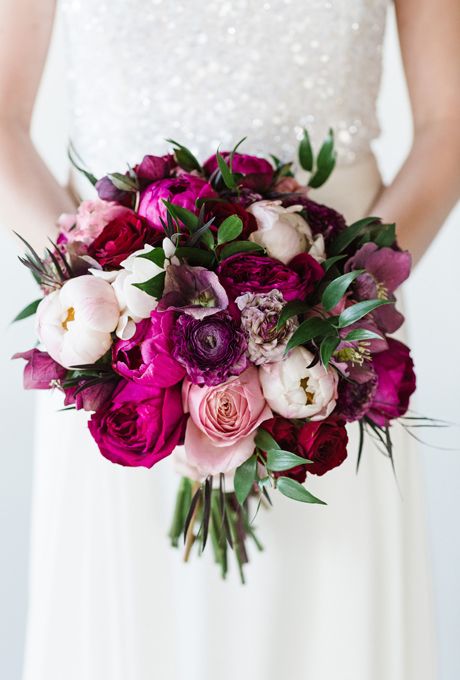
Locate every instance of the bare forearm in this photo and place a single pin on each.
(425, 189)
(30, 197)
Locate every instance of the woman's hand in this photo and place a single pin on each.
(428, 184)
(30, 198)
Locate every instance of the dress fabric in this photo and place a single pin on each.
(340, 591)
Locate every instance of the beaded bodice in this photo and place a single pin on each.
(210, 72)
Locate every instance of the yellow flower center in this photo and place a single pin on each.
(309, 395)
(70, 317)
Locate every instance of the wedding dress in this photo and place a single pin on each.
(340, 591)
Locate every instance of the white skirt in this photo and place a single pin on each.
(340, 592)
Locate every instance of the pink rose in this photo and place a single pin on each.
(221, 429)
(89, 221)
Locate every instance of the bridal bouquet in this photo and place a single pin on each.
(216, 314)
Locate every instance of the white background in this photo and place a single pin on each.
(433, 303)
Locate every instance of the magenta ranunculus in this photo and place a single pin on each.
(41, 371)
(257, 173)
(140, 425)
(396, 382)
(146, 358)
(211, 349)
(249, 273)
(183, 191)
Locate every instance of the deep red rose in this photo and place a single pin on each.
(396, 382)
(325, 443)
(247, 272)
(321, 219)
(120, 238)
(257, 173)
(153, 168)
(285, 433)
(220, 210)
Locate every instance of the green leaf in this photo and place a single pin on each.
(154, 286)
(362, 334)
(227, 174)
(279, 460)
(77, 163)
(291, 309)
(327, 348)
(306, 152)
(27, 311)
(195, 256)
(386, 236)
(265, 441)
(230, 229)
(123, 182)
(337, 288)
(208, 239)
(185, 216)
(309, 329)
(331, 261)
(240, 247)
(325, 162)
(245, 476)
(349, 234)
(355, 312)
(292, 489)
(157, 256)
(184, 157)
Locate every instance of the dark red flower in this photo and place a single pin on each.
(257, 173)
(120, 238)
(321, 219)
(325, 443)
(285, 433)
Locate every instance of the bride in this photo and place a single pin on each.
(341, 591)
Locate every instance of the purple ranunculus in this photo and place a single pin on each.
(107, 191)
(146, 357)
(41, 371)
(386, 269)
(90, 398)
(321, 219)
(395, 383)
(211, 349)
(257, 173)
(153, 168)
(250, 273)
(194, 290)
(183, 191)
(355, 398)
(140, 425)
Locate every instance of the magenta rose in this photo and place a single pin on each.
(146, 357)
(140, 425)
(257, 173)
(120, 238)
(183, 191)
(250, 273)
(40, 371)
(395, 383)
(325, 443)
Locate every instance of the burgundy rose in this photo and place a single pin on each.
(250, 273)
(90, 397)
(321, 219)
(146, 357)
(120, 238)
(396, 383)
(183, 191)
(140, 425)
(220, 210)
(325, 443)
(285, 433)
(257, 173)
(41, 371)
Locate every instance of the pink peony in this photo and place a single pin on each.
(223, 419)
(89, 221)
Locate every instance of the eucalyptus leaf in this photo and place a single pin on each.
(293, 489)
(291, 309)
(153, 286)
(306, 152)
(279, 460)
(240, 247)
(245, 476)
(337, 288)
(355, 312)
(327, 348)
(230, 229)
(349, 234)
(309, 329)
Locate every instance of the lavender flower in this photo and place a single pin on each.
(210, 349)
(259, 317)
(193, 290)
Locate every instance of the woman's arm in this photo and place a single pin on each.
(30, 197)
(428, 184)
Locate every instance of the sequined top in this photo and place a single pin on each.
(209, 72)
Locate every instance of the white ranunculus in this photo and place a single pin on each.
(75, 322)
(134, 303)
(295, 391)
(283, 232)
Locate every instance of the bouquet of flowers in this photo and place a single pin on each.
(217, 314)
